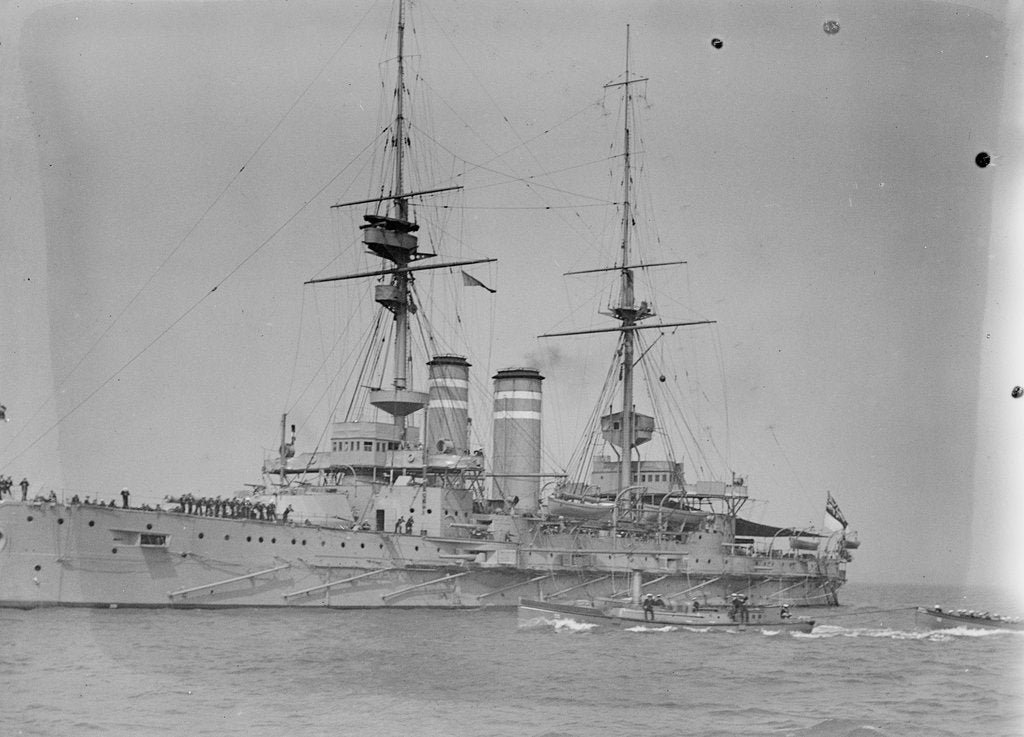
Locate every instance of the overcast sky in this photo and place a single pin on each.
(821, 186)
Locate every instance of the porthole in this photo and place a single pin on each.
(201, 535)
(261, 539)
(227, 537)
(362, 545)
(60, 520)
(430, 511)
(343, 545)
(39, 568)
(30, 518)
(248, 538)
(303, 542)
(411, 510)
(293, 541)
(323, 543)
(417, 548)
(92, 523)
(273, 540)
(114, 551)
(381, 546)
(149, 526)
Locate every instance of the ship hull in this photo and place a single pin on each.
(53, 554)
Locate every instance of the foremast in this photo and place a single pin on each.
(391, 236)
(626, 430)
(400, 305)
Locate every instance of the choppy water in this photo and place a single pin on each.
(289, 672)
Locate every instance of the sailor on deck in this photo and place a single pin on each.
(739, 612)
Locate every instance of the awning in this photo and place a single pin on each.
(756, 529)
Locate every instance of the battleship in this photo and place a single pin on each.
(400, 508)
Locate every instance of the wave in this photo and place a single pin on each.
(644, 628)
(839, 728)
(824, 631)
(559, 624)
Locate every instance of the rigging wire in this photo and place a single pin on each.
(582, 455)
(522, 142)
(785, 456)
(367, 341)
(61, 383)
(181, 317)
(298, 348)
(519, 207)
(528, 180)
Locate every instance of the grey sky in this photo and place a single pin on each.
(822, 188)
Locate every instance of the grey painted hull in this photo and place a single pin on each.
(53, 554)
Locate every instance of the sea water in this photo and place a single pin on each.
(864, 670)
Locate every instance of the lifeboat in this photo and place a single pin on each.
(803, 543)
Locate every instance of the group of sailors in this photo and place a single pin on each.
(7, 488)
(201, 506)
(90, 502)
(738, 610)
(232, 508)
(650, 601)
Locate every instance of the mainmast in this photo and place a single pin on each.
(626, 429)
(627, 312)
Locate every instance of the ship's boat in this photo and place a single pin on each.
(715, 618)
(935, 617)
(803, 543)
(400, 504)
(649, 508)
(654, 611)
(671, 509)
(590, 508)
